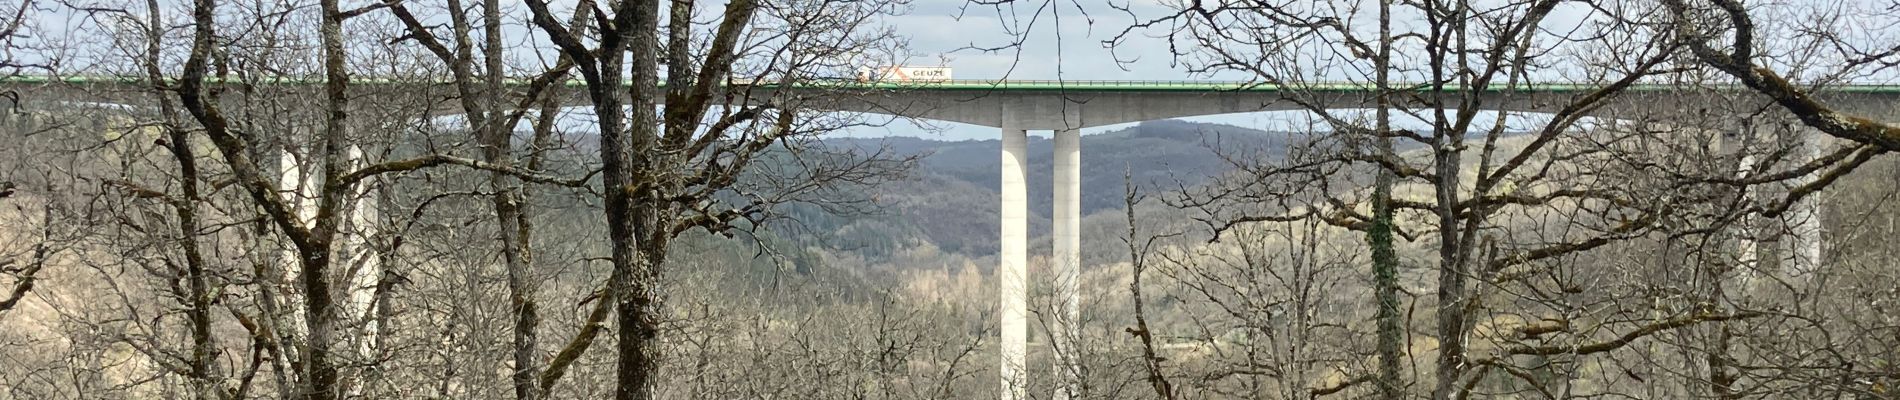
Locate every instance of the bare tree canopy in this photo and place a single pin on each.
(1702, 26)
(686, 199)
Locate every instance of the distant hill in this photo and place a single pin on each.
(951, 201)
(1155, 152)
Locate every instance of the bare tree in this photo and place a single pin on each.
(1476, 182)
(17, 25)
(316, 235)
(1700, 25)
(665, 173)
(492, 116)
(1139, 249)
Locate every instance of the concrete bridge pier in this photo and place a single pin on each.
(1799, 252)
(1747, 251)
(1067, 261)
(1804, 219)
(1012, 266)
(299, 180)
(1012, 269)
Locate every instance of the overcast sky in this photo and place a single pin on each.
(1063, 43)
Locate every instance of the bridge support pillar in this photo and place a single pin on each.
(1747, 251)
(1067, 261)
(1804, 218)
(1012, 267)
(297, 185)
(1798, 252)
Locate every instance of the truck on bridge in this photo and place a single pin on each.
(903, 73)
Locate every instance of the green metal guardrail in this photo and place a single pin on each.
(998, 85)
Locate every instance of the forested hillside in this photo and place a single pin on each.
(949, 200)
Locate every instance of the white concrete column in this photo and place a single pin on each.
(1804, 218)
(1067, 261)
(293, 185)
(297, 186)
(1747, 246)
(1012, 266)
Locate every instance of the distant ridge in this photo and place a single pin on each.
(951, 201)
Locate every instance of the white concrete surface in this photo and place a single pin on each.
(1012, 269)
(1064, 332)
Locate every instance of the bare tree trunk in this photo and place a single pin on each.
(318, 374)
(1447, 32)
(600, 68)
(637, 264)
(198, 306)
(492, 121)
(198, 303)
(658, 179)
(204, 383)
(1385, 260)
(518, 257)
(496, 134)
(198, 294)
(319, 307)
(1138, 261)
